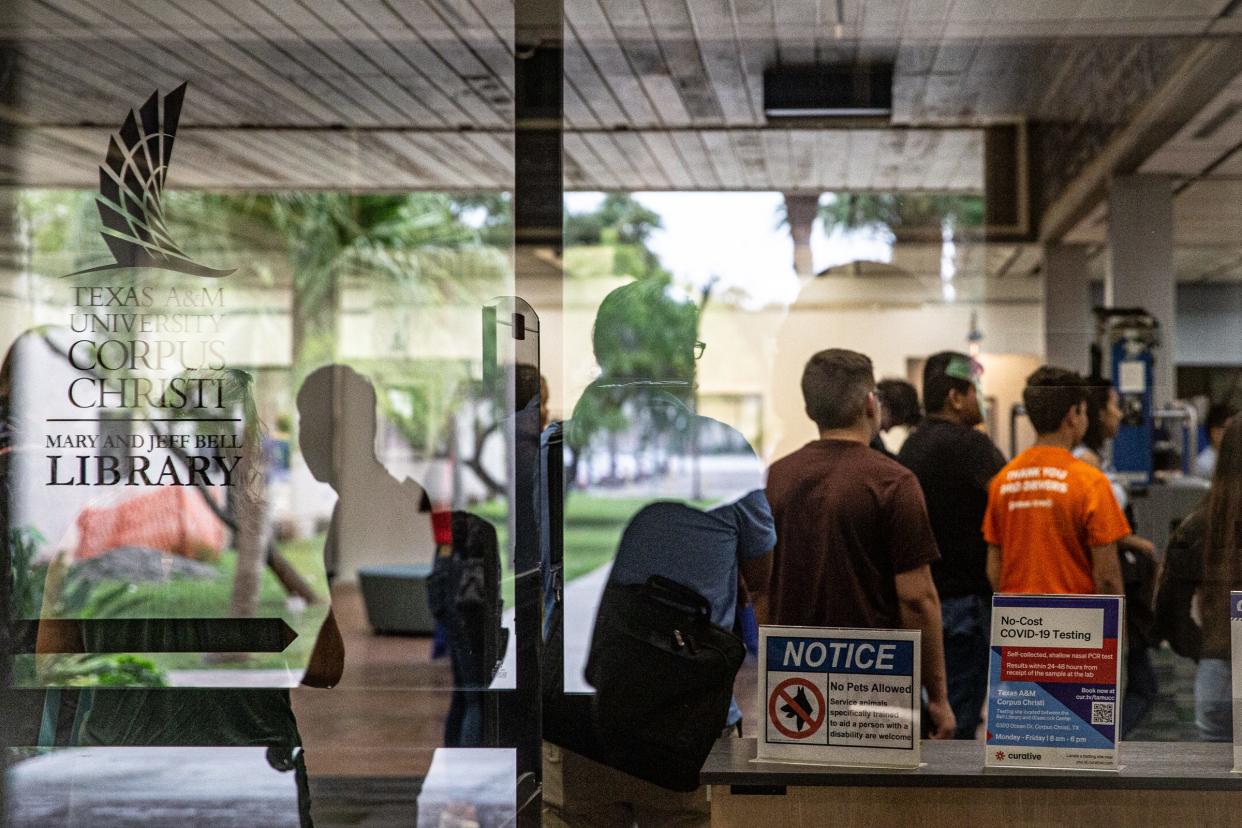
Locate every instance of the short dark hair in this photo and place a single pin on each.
(1099, 390)
(900, 400)
(937, 383)
(1219, 415)
(835, 384)
(1050, 394)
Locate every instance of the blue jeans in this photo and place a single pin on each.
(1214, 700)
(967, 624)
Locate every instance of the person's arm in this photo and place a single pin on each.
(757, 573)
(756, 539)
(52, 636)
(1140, 545)
(327, 660)
(920, 610)
(994, 566)
(1106, 526)
(1106, 570)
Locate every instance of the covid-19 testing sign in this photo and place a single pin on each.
(1235, 634)
(839, 696)
(1053, 681)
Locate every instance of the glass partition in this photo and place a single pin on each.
(365, 362)
(258, 478)
(770, 181)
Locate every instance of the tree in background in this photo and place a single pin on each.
(414, 248)
(903, 214)
(621, 226)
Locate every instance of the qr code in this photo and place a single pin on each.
(1101, 713)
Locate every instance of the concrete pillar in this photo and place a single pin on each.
(1140, 262)
(800, 210)
(1068, 325)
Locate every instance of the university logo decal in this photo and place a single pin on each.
(131, 181)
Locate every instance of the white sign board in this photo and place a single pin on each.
(839, 696)
(1053, 681)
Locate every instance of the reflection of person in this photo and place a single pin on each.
(899, 412)
(1062, 538)
(224, 716)
(639, 413)
(1202, 564)
(1219, 415)
(954, 463)
(854, 545)
(337, 408)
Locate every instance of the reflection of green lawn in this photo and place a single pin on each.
(593, 527)
(184, 598)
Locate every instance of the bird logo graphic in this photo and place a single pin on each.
(131, 183)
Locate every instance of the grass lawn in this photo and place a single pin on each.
(593, 527)
(210, 599)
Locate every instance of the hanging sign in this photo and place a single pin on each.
(1053, 681)
(838, 696)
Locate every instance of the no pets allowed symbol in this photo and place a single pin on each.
(796, 709)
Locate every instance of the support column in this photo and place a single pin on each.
(1067, 307)
(538, 236)
(1140, 263)
(800, 210)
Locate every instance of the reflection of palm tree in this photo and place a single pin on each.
(250, 500)
(417, 246)
(903, 214)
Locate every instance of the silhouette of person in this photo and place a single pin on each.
(689, 490)
(376, 516)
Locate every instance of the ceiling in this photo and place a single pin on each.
(659, 95)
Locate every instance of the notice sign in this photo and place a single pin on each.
(1235, 632)
(839, 696)
(1053, 681)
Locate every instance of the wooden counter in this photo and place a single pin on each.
(1183, 784)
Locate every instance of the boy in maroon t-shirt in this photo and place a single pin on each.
(854, 544)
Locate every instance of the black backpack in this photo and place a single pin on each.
(464, 594)
(663, 677)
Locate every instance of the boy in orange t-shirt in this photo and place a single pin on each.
(1052, 522)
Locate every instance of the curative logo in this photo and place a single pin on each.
(131, 181)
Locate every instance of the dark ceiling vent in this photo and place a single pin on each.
(828, 91)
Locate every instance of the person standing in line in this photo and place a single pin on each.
(1052, 522)
(1137, 557)
(1219, 415)
(955, 463)
(853, 542)
(899, 412)
(643, 398)
(1202, 565)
